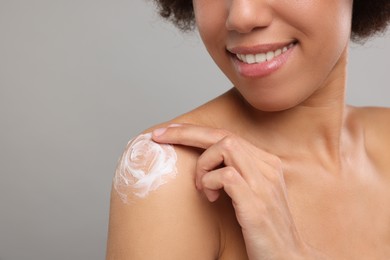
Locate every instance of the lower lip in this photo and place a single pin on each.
(263, 69)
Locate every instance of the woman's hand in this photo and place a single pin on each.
(254, 181)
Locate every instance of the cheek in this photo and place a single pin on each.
(210, 19)
(323, 29)
(318, 19)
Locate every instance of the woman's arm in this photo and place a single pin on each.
(172, 222)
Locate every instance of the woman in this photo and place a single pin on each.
(279, 167)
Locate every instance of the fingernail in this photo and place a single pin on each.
(159, 131)
(174, 125)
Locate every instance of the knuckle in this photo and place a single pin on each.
(277, 165)
(274, 178)
(229, 143)
(203, 181)
(275, 161)
(229, 175)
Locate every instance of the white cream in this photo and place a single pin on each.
(144, 166)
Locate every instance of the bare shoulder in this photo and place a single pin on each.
(376, 121)
(156, 211)
(376, 124)
(373, 112)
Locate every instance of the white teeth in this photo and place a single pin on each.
(270, 55)
(278, 52)
(250, 58)
(262, 57)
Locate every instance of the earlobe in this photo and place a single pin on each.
(144, 167)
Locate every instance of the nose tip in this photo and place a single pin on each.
(247, 15)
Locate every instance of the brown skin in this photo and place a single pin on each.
(340, 210)
(278, 167)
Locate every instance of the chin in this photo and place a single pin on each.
(272, 103)
(275, 107)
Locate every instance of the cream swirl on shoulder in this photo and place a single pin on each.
(144, 166)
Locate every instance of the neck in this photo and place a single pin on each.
(315, 129)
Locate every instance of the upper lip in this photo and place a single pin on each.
(260, 48)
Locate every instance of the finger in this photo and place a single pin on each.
(230, 180)
(189, 135)
(235, 152)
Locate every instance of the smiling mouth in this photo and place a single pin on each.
(261, 57)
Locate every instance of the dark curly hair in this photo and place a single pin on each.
(369, 18)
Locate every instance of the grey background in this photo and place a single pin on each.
(78, 79)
